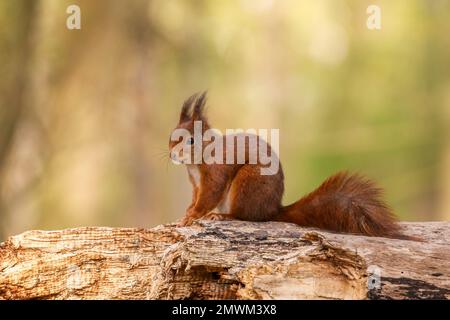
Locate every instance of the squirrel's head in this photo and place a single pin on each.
(190, 128)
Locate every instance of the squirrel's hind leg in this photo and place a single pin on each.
(255, 197)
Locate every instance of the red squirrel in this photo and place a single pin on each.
(347, 203)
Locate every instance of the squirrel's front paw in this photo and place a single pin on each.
(185, 221)
(188, 218)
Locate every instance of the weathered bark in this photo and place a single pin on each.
(227, 259)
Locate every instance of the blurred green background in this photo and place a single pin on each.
(85, 114)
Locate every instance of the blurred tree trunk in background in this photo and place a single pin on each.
(15, 53)
(445, 161)
(435, 74)
(139, 33)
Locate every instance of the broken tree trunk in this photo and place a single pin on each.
(225, 260)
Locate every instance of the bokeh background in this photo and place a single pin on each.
(85, 115)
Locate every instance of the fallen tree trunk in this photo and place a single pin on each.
(225, 260)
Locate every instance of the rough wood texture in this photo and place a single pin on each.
(225, 259)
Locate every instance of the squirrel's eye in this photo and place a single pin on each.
(190, 141)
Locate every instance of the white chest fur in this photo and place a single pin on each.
(194, 173)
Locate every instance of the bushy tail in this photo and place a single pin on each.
(345, 203)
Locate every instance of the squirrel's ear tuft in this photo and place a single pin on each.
(186, 113)
(193, 107)
(199, 106)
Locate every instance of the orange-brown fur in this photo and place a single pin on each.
(343, 203)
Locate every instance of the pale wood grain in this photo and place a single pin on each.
(225, 260)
